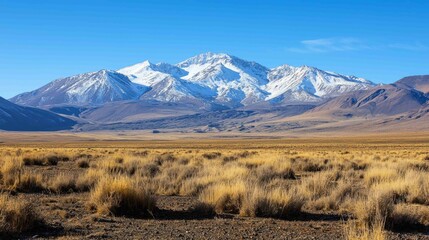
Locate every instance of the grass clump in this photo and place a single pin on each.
(44, 160)
(356, 231)
(121, 196)
(225, 197)
(63, 183)
(277, 203)
(16, 215)
(15, 178)
(83, 163)
(212, 155)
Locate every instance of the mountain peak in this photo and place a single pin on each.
(308, 68)
(133, 69)
(218, 77)
(206, 58)
(418, 82)
(105, 72)
(91, 88)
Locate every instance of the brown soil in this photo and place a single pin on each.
(67, 217)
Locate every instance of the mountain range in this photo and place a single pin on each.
(219, 92)
(206, 79)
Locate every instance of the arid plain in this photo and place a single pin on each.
(74, 186)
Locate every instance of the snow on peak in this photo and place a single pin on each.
(149, 74)
(320, 84)
(213, 77)
(205, 58)
(136, 68)
(87, 88)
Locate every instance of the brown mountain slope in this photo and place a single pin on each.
(385, 100)
(420, 83)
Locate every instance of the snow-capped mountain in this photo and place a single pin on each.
(232, 81)
(88, 88)
(149, 74)
(166, 84)
(207, 78)
(310, 84)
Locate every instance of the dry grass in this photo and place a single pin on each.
(15, 177)
(83, 163)
(355, 231)
(64, 183)
(121, 196)
(226, 197)
(277, 203)
(16, 215)
(377, 184)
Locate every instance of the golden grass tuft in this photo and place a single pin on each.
(277, 203)
(356, 231)
(63, 183)
(375, 208)
(14, 177)
(17, 215)
(225, 197)
(121, 196)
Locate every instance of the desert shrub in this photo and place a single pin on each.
(397, 190)
(229, 159)
(118, 166)
(149, 170)
(312, 167)
(379, 174)
(15, 177)
(29, 161)
(376, 208)
(307, 165)
(192, 187)
(278, 203)
(164, 158)
(63, 183)
(406, 218)
(224, 197)
(29, 182)
(44, 160)
(212, 155)
(170, 180)
(245, 154)
(121, 196)
(10, 170)
(343, 191)
(357, 231)
(82, 155)
(88, 180)
(318, 185)
(359, 166)
(16, 215)
(267, 173)
(140, 153)
(418, 187)
(83, 163)
(372, 214)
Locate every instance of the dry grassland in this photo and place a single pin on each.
(362, 188)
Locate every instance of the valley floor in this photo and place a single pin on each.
(216, 187)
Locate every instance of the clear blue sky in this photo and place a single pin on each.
(44, 40)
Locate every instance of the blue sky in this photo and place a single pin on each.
(44, 40)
